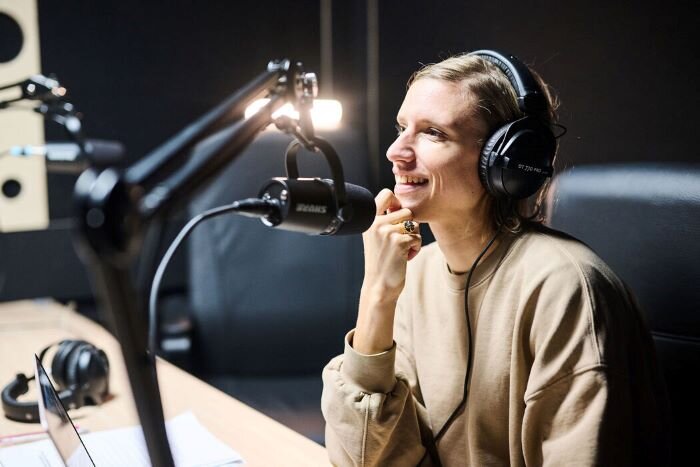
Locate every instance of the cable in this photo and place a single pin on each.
(246, 206)
(562, 128)
(469, 331)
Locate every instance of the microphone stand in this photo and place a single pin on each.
(119, 210)
(49, 92)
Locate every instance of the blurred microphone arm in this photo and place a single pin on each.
(36, 87)
(116, 209)
(49, 92)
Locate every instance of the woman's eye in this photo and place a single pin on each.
(435, 133)
(399, 129)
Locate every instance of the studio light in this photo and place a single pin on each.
(325, 114)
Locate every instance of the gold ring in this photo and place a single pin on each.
(408, 227)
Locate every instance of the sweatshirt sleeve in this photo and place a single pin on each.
(564, 422)
(372, 417)
(591, 397)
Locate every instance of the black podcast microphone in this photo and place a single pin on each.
(310, 206)
(314, 206)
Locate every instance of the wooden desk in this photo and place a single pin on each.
(26, 327)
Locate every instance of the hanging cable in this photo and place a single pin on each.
(469, 332)
(252, 206)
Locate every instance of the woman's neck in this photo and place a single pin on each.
(461, 243)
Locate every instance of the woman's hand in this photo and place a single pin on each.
(388, 247)
(387, 250)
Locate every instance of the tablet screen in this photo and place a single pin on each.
(58, 424)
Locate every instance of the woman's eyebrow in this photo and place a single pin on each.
(452, 127)
(425, 121)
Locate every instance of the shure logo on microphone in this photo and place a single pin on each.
(312, 208)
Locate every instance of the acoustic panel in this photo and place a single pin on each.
(23, 185)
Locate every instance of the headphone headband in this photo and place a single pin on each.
(516, 158)
(531, 98)
(28, 411)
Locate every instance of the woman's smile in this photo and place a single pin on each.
(409, 184)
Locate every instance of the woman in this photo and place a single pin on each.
(547, 362)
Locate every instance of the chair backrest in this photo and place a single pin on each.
(644, 221)
(265, 301)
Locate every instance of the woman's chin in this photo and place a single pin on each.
(409, 202)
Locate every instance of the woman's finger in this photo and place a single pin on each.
(410, 240)
(386, 201)
(395, 217)
(415, 247)
(408, 226)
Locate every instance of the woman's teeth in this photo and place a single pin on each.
(413, 180)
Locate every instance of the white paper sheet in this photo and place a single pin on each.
(191, 444)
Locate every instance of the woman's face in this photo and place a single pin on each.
(435, 155)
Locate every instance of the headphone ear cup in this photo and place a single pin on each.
(88, 373)
(517, 159)
(94, 367)
(72, 371)
(530, 151)
(58, 364)
(486, 160)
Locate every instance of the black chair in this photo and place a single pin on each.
(644, 221)
(270, 307)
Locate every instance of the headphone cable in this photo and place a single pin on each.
(453, 416)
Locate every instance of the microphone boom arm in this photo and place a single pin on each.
(117, 208)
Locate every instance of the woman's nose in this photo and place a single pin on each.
(400, 150)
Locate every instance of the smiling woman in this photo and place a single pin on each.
(436, 145)
(503, 342)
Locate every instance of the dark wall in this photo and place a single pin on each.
(140, 71)
(625, 71)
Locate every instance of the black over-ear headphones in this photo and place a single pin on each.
(517, 158)
(81, 373)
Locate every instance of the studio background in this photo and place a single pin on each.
(140, 71)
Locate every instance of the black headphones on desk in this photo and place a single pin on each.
(517, 158)
(81, 373)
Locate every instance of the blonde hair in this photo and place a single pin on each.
(494, 103)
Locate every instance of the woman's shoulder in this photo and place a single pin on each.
(540, 252)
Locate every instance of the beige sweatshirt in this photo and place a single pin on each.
(563, 368)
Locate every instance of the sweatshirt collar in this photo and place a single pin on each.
(486, 267)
